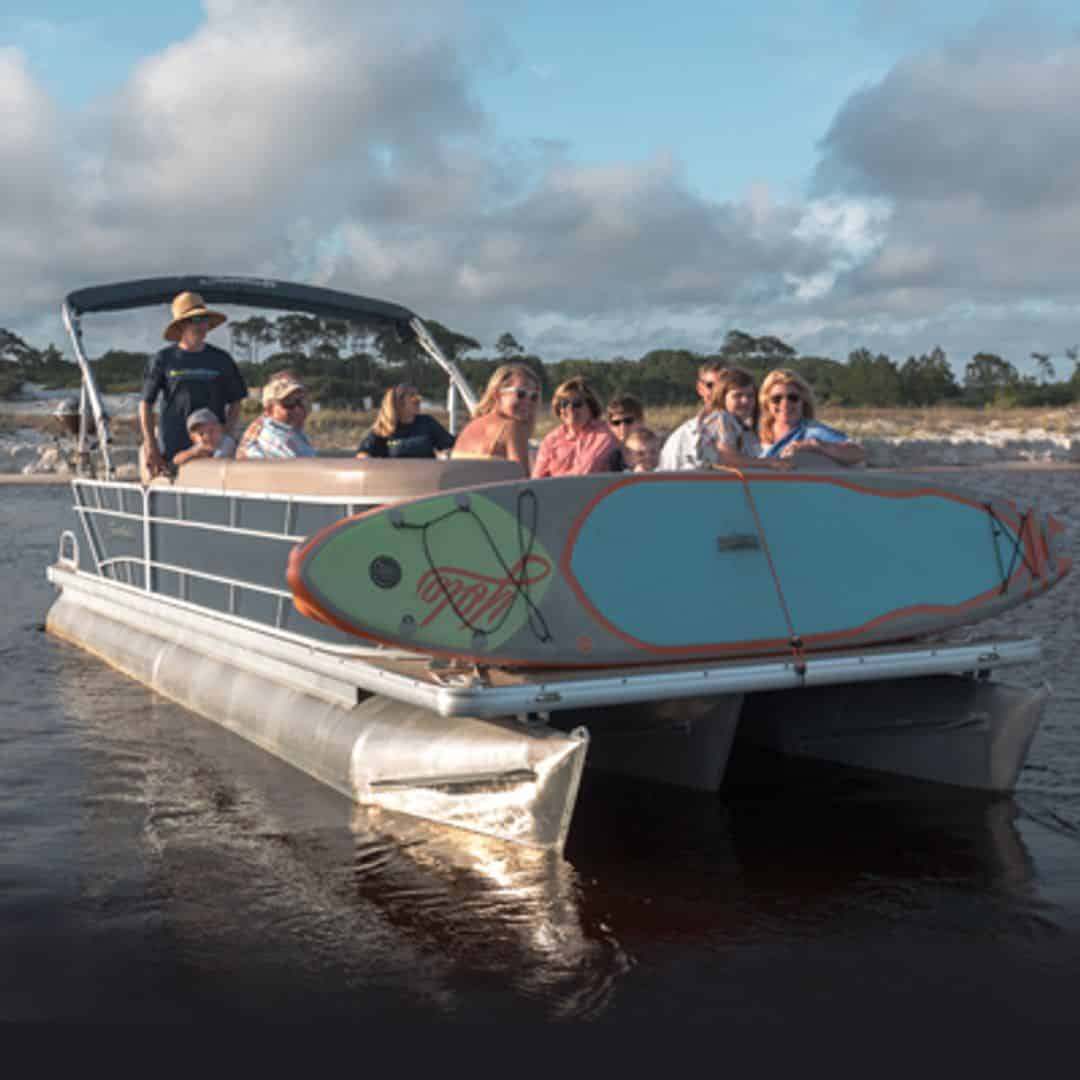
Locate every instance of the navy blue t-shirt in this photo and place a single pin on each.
(207, 379)
(420, 439)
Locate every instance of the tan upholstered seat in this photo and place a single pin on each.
(371, 477)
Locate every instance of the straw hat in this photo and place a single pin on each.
(186, 306)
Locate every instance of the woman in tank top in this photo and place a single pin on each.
(504, 417)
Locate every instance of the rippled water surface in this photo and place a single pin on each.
(155, 867)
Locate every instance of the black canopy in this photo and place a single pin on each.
(248, 291)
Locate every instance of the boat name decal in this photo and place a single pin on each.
(478, 596)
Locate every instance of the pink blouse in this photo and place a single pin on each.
(563, 453)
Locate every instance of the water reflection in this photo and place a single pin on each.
(235, 870)
(495, 910)
(807, 852)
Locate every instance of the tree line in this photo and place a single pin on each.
(346, 363)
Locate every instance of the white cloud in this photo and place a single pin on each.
(342, 141)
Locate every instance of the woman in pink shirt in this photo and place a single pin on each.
(582, 443)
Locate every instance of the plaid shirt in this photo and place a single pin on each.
(268, 438)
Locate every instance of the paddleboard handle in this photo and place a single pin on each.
(738, 542)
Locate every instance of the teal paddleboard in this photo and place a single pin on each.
(624, 569)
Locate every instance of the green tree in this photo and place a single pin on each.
(760, 353)
(297, 334)
(14, 350)
(987, 375)
(1044, 366)
(508, 348)
(928, 379)
(452, 343)
(872, 380)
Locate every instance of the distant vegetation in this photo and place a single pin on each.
(345, 364)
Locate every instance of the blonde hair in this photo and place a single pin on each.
(502, 375)
(387, 420)
(575, 385)
(733, 378)
(780, 377)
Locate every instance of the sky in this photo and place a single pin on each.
(598, 179)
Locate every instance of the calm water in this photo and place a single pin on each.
(155, 867)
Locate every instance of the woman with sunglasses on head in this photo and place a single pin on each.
(279, 432)
(504, 418)
(582, 442)
(402, 431)
(788, 427)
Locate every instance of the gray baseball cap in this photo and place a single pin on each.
(202, 416)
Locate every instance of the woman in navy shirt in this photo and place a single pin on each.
(402, 431)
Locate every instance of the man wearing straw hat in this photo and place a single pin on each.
(189, 375)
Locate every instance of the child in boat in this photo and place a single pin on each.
(625, 412)
(641, 450)
(208, 438)
(728, 424)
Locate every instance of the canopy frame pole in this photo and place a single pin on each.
(89, 393)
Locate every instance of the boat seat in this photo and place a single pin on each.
(372, 477)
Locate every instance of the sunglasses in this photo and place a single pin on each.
(570, 403)
(619, 421)
(197, 320)
(293, 403)
(521, 393)
(777, 398)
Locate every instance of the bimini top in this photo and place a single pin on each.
(249, 291)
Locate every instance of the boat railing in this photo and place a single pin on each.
(233, 508)
(125, 511)
(140, 572)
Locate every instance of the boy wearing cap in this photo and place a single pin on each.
(208, 438)
(189, 375)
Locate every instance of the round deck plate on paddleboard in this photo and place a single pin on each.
(643, 568)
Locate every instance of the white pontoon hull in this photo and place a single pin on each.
(504, 757)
